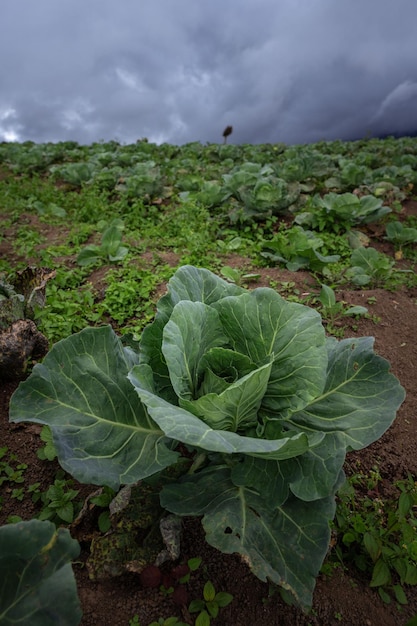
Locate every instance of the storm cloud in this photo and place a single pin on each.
(295, 71)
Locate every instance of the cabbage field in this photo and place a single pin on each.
(207, 367)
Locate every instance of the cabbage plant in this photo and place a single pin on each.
(243, 384)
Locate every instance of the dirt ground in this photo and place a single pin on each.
(342, 598)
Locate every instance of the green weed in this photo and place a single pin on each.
(379, 535)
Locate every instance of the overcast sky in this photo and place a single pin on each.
(295, 71)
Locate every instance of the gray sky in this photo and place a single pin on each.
(295, 71)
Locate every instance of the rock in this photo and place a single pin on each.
(18, 343)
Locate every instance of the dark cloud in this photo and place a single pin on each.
(181, 71)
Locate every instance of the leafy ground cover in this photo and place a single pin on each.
(331, 226)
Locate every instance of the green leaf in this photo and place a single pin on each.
(400, 594)
(381, 574)
(196, 285)
(66, 512)
(192, 330)
(356, 310)
(265, 327)
(232, 274)
(405, 504)
(194, 563)
(189, 284)
(271, 478)
(209, 591)
(319, 470)
(399, 234)
(360, 398)
(203, 619)
(89, 255)
(223, 598)
(372, 546)
(177, 423)
(196, 605)
(327, 296)
(112, 237)
(38, 585)
(102, 432)
(385, 597)
(221, 367)
(119, 254)
(236, 408)
(212, 607)
(285, 544)
(411, 574)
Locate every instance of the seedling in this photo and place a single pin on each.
(369, 267)
(59, 502)
(400, 236)
(110, 249)
(11, 470)
(332, 310)
(233, 275)
(208, 608)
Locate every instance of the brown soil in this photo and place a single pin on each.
(342, 598)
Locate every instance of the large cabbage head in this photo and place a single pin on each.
(248, 387)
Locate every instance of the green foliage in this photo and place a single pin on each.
(234, 275)
(332, 310)
(76, 174)
(208, 608)
(110, 249)
(297, 249)
(67, 310)
(38, 585)
(143, 180)
(400, 235)
(250, 384)
(48, 451)
(369, 267)
(379, 535)
(11, 470)
(27, 241)
(58, 502)
(48, 210)
(259, 192)
(211, 194)
(168, 621)
(339, 212)
(104, 500)
(128, 295)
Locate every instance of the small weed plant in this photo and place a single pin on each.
(110, 249)
(209, 606)
(333, 311)
(379, 535)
